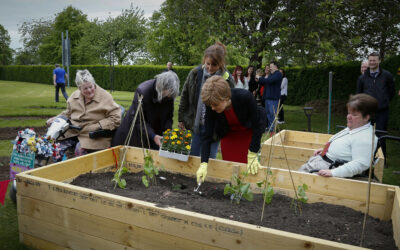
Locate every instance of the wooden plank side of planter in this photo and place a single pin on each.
(306, 137)
(39, 243)
(204, 229)
(63, 236)
(72, 168)
(107, 229)
(296, 156)
(396, 218)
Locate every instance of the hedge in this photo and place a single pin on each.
(305, 84)
(125, 78)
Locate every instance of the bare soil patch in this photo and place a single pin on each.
(321, 220)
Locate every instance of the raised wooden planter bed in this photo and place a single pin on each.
(53, 214)
(299, 147)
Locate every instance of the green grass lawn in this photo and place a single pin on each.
(36, 102)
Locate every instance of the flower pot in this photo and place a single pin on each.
(173, 155)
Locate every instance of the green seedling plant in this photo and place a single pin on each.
(268, 190)
(301, 197)
(117, 177)
(150, 171)
(238, 189)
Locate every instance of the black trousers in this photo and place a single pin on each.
(62, 86)
(382, 120)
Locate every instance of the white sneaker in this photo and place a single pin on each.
(281, 122)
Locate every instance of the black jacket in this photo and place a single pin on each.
(157, 115)
(247, 111)
(190, 96)
(381, 87)
(272, 86)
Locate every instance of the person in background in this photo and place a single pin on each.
(239, 78)
(250, 79)
(267, 71)
(272, 93)
(91, 108)
(191, 108)
(260, 89)
(364, 66)
(284, 87)
(265, 74)
(378, 83)
(59, 77)
(233, 116)
(169, 67)
(158, 109)
(352, 146)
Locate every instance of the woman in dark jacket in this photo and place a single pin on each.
(233, 116)
(191, 109)
(158, 109)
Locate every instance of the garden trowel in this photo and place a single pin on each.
(196, 190)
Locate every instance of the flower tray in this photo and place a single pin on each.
(172, 155)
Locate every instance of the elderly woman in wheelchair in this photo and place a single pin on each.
(348, 153)
(90, 108)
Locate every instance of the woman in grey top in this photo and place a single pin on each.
(284, 86)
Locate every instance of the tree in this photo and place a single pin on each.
(91, 49)
(126, 34)
(181, 31)
(32, 37)
(378, 27)
(246, 24)
(123, 35)
(310, 32)
(5, 50)
(70, 19)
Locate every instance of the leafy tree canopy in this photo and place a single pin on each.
(5, 50)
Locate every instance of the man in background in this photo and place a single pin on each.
(272, 93)
(378, 83)
(59, 77)
(169, 67)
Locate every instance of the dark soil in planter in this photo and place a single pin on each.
(321, 220)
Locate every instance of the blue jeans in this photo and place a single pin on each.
(197, 142)
(271, 106)
(62, 86)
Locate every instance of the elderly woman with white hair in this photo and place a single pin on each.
(158, 109)
(91, 108)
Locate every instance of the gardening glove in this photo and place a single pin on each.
(252, 163)
(202, 172)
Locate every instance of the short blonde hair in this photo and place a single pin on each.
(215, 90)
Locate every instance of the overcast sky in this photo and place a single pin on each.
(14, 12)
